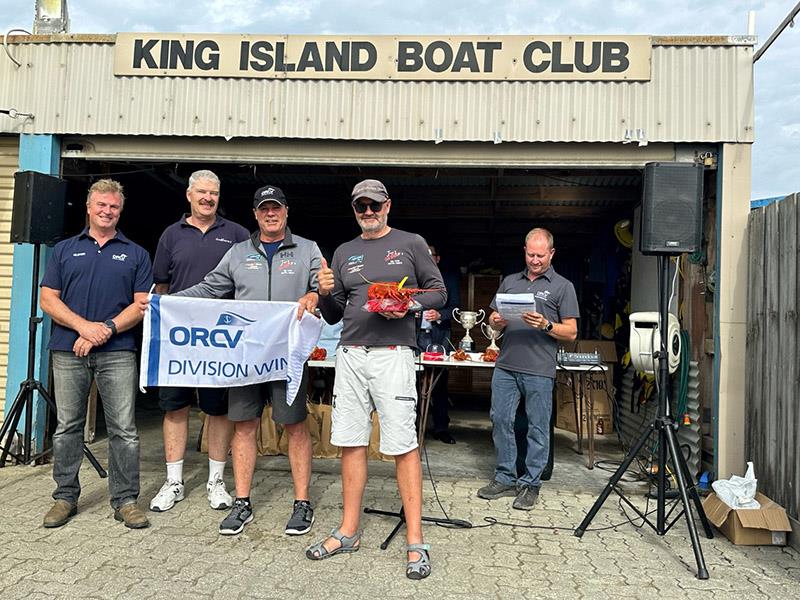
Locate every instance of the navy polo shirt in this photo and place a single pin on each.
(523, 348)
(97, 284)
(185, 254)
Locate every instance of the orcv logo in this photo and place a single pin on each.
(218, 338)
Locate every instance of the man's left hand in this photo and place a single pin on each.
(432, 315)
(308, 303)
(82, 347)
(535, 320)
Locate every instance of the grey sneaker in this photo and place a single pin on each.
(302, 518)
(241, 514)
(526, 498)
(496, 490)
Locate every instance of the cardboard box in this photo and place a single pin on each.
(599, 389)
(766, 526)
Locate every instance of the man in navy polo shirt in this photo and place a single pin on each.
(95, 288)
(526, 368)
(186, 252)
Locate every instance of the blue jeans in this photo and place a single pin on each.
(115, 373)
(507, 389)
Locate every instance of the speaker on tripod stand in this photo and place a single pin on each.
(40, 203)
(671, 225)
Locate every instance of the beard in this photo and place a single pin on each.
(372, 225)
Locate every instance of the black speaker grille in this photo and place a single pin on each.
(671, 208)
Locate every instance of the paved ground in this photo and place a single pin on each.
(182, 556)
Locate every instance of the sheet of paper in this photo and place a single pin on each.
(513, 306)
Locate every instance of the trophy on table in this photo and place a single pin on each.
(468, 319)
(492, 335)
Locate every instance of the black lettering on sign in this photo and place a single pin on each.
(177, 53)
(530, 62)
(409, 57)
(280, 58)
(142, 51)
(338, 56)
(580, 57)
(164, 56)
(466, 58)
(615, 57)
(262, 56)
(206, 55)
(488, 54)
(363, 63)
(310, 58)
(431, 58)
(558, 66)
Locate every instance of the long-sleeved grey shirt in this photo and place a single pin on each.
(246, 271)
(357, 264)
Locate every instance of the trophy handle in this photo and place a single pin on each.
(481, 314)
(455, 315)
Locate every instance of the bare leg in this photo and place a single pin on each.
(300, 454)
(409, 483)
(176, 432)
(243, 449)
(354, 480)
(220, 431)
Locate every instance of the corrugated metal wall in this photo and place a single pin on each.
(9, 163)
(773, 336)
(696, 94)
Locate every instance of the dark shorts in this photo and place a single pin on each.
(212, 401)
(247, 402)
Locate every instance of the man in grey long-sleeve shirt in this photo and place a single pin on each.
(375, 366)
(272, 265)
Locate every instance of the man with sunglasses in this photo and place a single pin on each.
(375, 366)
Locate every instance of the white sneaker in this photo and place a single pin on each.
(218, 497)
(170, 493)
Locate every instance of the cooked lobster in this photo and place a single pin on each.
(391, 296)
(489, 356)
(460, 354)
(318, 354)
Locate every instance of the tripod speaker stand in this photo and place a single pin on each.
(24, 400)
(664, 427)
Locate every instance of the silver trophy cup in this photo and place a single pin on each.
(492, 335)
(468, 319)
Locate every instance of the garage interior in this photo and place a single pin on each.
(477, 218)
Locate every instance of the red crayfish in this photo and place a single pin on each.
(391, 296)
(318, 354)
(489, 356)
(460, 354)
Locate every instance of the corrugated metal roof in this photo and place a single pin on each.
(697, 94)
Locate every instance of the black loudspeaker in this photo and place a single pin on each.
(40, 206)
(672, 208)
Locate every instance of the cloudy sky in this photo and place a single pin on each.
(776, 161)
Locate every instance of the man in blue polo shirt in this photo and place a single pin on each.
(526, 368)
(186, 252)
(94, 289)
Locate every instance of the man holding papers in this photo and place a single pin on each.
(537, 308)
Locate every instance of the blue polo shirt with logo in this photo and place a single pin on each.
(97, 284)
(185, 254)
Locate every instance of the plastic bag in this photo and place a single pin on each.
(738, 492)
(377, 305)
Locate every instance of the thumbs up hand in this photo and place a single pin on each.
(325, 279)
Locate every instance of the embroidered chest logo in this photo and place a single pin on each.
(543, 295)
(119, 257)
(253, 262)
(355, 263)
(393, 257)
(287, 267)
(79, 254)
(223, 240)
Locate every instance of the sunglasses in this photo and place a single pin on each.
(374, 206)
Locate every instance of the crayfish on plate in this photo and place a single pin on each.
(390, 296)
(460, 354)
(489, 356)
(318, 354)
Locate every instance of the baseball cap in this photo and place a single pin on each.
(372, 189)
(269, 193)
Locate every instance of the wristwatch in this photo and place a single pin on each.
(549, 327)
(111, 325)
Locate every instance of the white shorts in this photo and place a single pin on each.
(382, 378)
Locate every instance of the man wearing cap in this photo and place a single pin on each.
(274, 265)
(186, 252)
(375, 366)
